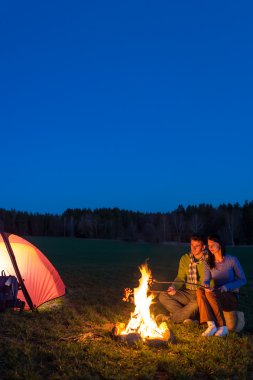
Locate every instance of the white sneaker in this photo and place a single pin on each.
(210, 331)
(222, 331)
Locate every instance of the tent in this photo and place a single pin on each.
(38, 279)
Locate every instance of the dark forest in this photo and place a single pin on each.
(234, 223)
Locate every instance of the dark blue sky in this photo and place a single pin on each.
(140, 105)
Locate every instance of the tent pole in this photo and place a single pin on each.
(18, 274)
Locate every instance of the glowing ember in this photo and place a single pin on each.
(141, 321)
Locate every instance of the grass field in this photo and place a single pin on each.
(70, 337)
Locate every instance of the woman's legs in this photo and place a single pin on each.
(215, 304)
(210, 307)
(205, 313)
(211, 304)
(210, 311)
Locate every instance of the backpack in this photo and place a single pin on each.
(8, 293)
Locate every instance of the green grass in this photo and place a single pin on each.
(70, 337)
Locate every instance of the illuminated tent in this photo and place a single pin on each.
(38, 279)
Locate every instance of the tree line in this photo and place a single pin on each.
(234, 223)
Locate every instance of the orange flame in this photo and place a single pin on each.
(141, 320)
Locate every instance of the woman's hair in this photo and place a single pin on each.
(211, 258)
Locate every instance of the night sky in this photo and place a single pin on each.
(141, 105)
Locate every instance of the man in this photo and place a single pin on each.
(180, 298)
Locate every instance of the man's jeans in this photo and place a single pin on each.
(182, 305)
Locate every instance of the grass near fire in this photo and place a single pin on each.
(69, 338)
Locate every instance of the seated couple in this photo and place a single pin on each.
(207, 285)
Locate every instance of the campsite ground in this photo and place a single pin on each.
(70, 338)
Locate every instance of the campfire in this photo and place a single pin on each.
(142, 325)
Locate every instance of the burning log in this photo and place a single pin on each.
(118, 329)
(118, 334)
(160, 338)
(167, 337)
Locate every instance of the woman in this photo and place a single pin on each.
(227, 275)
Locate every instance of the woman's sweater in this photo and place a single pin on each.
(228, 272)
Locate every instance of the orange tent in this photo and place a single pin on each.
(37, 277)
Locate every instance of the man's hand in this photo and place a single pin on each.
(207, 288)
(171, 290)
(223, 289)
